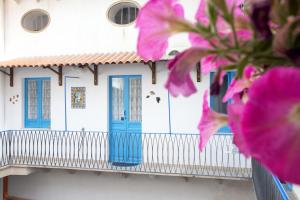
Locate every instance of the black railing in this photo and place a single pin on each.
(267, 186)
(149, 153)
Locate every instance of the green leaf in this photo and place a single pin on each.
(212, 13)
(241, 66)
(220, 5)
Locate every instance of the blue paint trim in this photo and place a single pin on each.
(280, 188)
(39, 122)
(169, 109)
(65, 96)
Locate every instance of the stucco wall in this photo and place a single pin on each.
(2, 22)
(185, 112)
(77, 26)
(2, 99)
(59, 185)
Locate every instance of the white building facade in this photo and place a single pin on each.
(63, 109)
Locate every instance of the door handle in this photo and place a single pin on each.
(124, 114)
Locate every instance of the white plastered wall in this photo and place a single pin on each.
(184, 112)
(76, 27)
(2, 100)
(57, 185)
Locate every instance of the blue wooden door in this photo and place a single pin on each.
(125, 115)
(37, 103)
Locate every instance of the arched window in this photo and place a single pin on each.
(35, 20)
(123, 13)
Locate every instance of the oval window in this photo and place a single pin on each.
(123, 13)
(35, 20)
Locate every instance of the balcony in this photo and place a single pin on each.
(146, 153)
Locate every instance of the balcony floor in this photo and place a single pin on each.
(61, 185)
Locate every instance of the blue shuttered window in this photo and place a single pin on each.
(37, 103)
(216, 102)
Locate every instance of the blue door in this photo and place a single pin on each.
(125, 140)
(37, 103)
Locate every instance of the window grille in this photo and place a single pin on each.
(123, 13)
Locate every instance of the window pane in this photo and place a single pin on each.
(132, 14)
(135, 101)
(125, 15)
(32, 99)
(118, 16)
(117, 99)
(46, 100)
(35, 20)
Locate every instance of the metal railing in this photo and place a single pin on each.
(267, 186)
(148, 153)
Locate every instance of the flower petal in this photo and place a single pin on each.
(178, 87)
(210, 122)
(197, 40)
(237, 86)
(154, 27)
(269, 125)
(235, 112)
(179, 81)
(211, 62)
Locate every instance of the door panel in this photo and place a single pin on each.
(125, 120)
(37, 102)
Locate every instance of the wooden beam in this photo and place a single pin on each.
(95, 73)
(152, 66)
(59, 73)
(11, 76)
(198, 72)
(5, 188)
(60, 76)
(4, 72)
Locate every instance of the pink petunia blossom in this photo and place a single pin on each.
(235, 112)
(270, 122)
(179, 80)
(237, 86)
(157, 21)
(210, 122)
(211, 62)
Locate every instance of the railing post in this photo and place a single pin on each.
(9, 136)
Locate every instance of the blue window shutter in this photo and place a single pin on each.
(230, 76)
(37, 122)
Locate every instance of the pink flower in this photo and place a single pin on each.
(157, 21)
(270, 122)
(235, 112)
(179, 81)
(211, 62)
(210, 122)
(237, 86)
